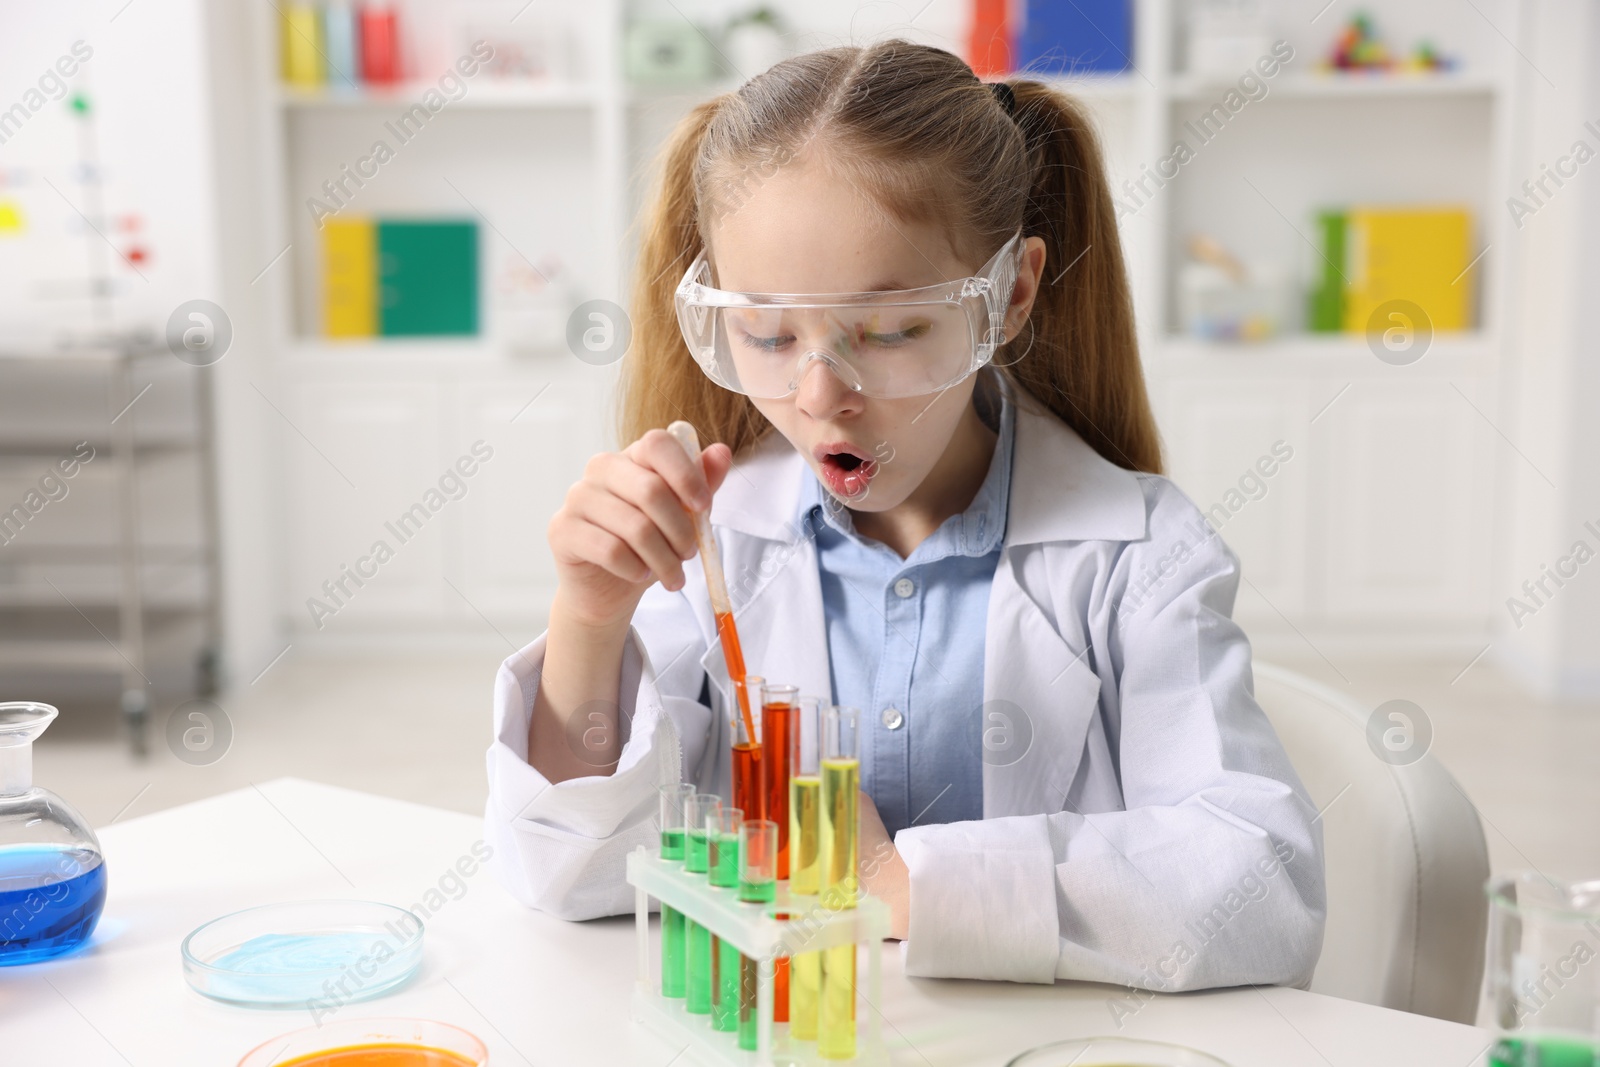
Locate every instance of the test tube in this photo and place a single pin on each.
(841, 778)
(778, 721)
(758, 884)
(722, 846)
(722, 834)
(778, 710)
(696, 860)
(749, 794)
(674, 801)
(805, 799)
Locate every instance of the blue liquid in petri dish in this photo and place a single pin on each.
(290, 968)
(50, 900)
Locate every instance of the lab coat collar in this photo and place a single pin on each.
(1061, 488)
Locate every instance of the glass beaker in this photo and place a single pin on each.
(52, 875)
(1542, 975)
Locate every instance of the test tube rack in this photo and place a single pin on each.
(754, 930)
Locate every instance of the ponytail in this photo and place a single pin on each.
(1082, 358)
(660, 381)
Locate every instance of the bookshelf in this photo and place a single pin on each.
(559, 170)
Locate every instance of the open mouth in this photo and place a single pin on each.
(846, 469)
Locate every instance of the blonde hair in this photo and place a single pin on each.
(929, 142)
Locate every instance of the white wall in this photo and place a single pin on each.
(1555, 486)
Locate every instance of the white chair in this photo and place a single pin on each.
(1406, 858)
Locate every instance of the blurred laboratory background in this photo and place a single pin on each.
(296, 361)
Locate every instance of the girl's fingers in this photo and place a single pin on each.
(650, 492)
(609, 552)
(639, 533)
(659, 451)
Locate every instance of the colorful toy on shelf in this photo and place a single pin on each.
(1359, 48)
(1426, 59)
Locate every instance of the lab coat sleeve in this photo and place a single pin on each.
(1211, 875)
(561, 847)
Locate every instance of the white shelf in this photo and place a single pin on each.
(480, 94)
(1110, 87)
(1307, 348)
(1342, 86)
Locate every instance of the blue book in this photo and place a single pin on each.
(1077, 37)
(339, 35)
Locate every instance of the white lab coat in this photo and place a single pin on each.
(1152, 832)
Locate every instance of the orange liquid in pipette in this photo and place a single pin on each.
(385, 1055)
(733, 656)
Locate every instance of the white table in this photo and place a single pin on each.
(538, 990)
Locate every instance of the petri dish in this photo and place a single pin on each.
(312, 954)
(371, 1043)
(1114, 1052)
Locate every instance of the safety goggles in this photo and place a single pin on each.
(907, 342)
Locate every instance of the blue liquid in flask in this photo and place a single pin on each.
(50, 900)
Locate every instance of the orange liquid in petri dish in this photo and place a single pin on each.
(384, 1055)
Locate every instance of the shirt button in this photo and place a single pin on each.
(892, 718)
(904, 588)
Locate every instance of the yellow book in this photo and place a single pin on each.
(301, 28)
(1412, 254)
(349, 278)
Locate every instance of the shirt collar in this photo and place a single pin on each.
(983, 523)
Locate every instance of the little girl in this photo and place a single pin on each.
(894, 298)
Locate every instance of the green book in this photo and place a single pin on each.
(1326, 311)
(427, 278)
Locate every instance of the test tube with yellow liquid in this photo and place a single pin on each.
(805, 804)
(836, 851)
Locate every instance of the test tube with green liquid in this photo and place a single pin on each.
(696, 860)
(722, 838)
(805, 802)
(758, 884)
(674, 801)
(836, 847)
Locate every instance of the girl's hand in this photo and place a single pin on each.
(623, 526)
(883, 873)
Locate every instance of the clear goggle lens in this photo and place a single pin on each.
(886, 345)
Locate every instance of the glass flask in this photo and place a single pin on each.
(1542, 975)
(52, 874)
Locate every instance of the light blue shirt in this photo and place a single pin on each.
(906, 641)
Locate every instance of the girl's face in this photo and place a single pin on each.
(805, 230)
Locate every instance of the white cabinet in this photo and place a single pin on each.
(419, 495)
(1405, 507)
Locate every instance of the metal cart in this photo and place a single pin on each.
(71, 601)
